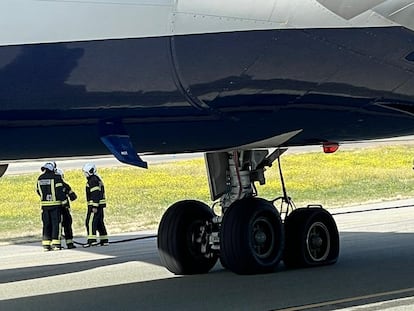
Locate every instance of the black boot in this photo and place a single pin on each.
(71, 245)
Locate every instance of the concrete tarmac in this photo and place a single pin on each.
(374, 272)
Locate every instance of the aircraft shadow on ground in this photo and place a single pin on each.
(112, 251)
(369, 263)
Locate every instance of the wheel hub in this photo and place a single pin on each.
(260, 237)
(263, 237)
(318, 242)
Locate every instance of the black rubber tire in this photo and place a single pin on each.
(312, 238)
(178, 250)
(251, 237)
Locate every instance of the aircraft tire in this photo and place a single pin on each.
(312, 238)
(178, 244)
(252, 237)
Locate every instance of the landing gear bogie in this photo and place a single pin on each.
(249, 236)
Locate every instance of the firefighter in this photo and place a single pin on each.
(70, 195)
(95, 197)
(50, 189)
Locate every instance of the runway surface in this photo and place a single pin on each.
(375, 271)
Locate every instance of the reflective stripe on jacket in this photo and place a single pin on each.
(95, 192)
(50, 189)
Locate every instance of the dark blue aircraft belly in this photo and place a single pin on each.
(210, 91)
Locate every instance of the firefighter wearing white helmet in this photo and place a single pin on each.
(95, 197)
(70, 195)
(50, 189)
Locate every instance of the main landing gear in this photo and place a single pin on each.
(250, 236)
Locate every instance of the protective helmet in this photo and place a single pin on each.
(59, 172)
(47, 166)
(89, 169)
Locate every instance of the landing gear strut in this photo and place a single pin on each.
(249, 236)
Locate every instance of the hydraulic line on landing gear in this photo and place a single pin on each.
(285, 199)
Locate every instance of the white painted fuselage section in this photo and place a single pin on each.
(42, 21)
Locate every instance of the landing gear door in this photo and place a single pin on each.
(217, 168)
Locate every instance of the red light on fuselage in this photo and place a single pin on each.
(330, 147)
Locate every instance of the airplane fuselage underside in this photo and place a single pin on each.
(198, 92)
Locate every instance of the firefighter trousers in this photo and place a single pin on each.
(67, 224)
(51, 226)
(95, 224)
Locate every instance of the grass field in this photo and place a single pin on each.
(137, 198)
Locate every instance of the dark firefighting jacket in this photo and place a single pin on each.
(50, 189)
(69, 194)
(95, 192)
